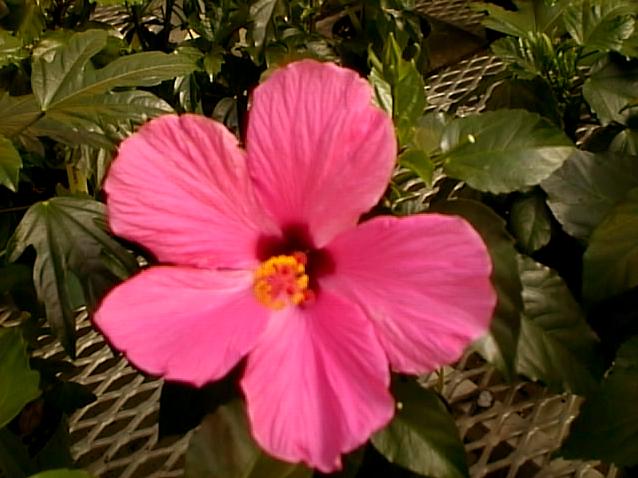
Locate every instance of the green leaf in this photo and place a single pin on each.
(399, 88)
(65, 234)
(18, 383)
(58, 71)
(14, 456)
(408, 89)
(17, 113)
(223, 446)
(429, 129)
(610, 263)
(601, 24)
(67, 85)
(122, 107)
(534, 95)
(261, 14)
(62, 473)
(530, 16)
(139, 69)
(531, 223)
(422, 437)
(419, 162)
(382, 90)
(556, 346)
(607, 427)
(11, 50)
(10, 164)
(585, 189)
(625, 142)
(609, 90)
(499, 346)
(503, 151)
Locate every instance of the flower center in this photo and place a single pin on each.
(282, 280)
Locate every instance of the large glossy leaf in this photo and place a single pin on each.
(139, 69)
(530, 16)
(556, 346)
(503, 151)
(610, 263)
(18, 383)
(499, 346)
(69, 243)
(135, 106)
(583, 191)
(601, 24)
(59, 71)
(609, 90)
(222, 446)
(17, 113)
(422, 437)
(63, 75)
(530, 222)
(607, 427)
(10, 164)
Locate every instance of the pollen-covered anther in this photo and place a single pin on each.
(282, 280)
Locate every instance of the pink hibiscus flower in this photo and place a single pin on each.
(264, 257)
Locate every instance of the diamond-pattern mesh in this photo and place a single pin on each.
(509, 430)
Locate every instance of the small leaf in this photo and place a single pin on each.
(499, 346)
(422, 437)
(429, 129)
(503, 151)
(408, 89)
(11, 50)
(419, 162)
(609, 90)
(531, 223)
(222, 446)
(382, 90)
(10, 164)
(607, 427)
(530, 16)
(585, 189)
(556, 346)
(18, 383)
(67, 240)
(610, 263)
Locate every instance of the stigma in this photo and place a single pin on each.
(282, 281)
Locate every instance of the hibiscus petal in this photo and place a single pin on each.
(320, 154)
(179, 187)
(424, 282)
(184, 324)
(317, 383)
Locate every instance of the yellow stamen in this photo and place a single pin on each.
(282, 281)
